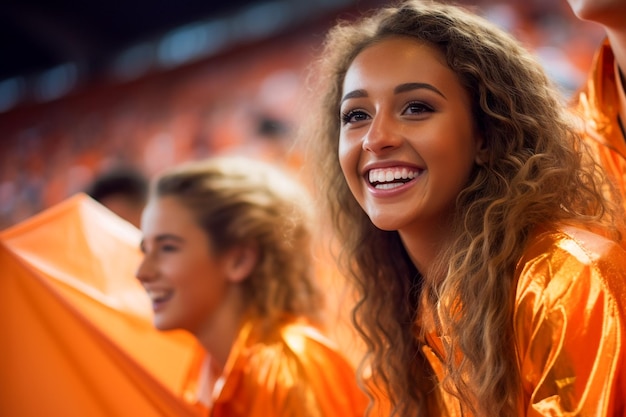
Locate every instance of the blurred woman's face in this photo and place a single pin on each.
(185, 279)
(407, 142)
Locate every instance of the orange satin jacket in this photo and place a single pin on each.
(570, 327)
(598, 104)
(291, 371)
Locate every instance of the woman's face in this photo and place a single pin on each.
(186, 281)
(407, 142)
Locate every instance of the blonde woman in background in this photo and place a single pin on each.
(227, 244)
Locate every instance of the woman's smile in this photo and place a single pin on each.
(408, 142)
(391, 178)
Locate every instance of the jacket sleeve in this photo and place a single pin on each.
(299, 375)
(569, 323)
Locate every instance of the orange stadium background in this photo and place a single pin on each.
(77, 338)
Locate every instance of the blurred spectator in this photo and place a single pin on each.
(602, 100)
(238, 275)
(123, 190)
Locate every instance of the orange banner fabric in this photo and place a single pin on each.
(75, 326)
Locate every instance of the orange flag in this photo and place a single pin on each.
(76, 333)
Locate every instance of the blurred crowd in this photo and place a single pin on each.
(246, 101)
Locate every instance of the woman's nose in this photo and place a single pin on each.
(382, 134)
(145, 270)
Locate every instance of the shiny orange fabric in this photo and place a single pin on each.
(598, 105)
(292, 370)
(77, 337)
(570, 324)
(570, 327)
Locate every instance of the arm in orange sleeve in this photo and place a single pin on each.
(569, 322)
(298, 373)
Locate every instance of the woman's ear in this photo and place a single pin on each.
(482, 153)
(242, 261)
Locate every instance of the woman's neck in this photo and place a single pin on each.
(218, 334)
(424, 247)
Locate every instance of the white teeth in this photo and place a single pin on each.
(157, 295)
(389, 175)
(388, 186)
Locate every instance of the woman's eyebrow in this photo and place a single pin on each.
(354, 94)
(402, 88)
(168, 236)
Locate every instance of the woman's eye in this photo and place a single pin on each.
(417, 107)
(353, 116)
(169, 248)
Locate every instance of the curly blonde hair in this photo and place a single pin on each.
(242, 201)
(537, 172)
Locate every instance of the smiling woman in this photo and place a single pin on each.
(434, 119)
(470, 215)
(227, 257)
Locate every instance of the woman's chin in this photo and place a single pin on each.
(385, 223)
(163, 325)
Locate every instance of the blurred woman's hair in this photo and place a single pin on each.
(243, 201)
